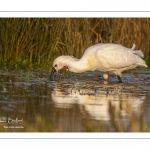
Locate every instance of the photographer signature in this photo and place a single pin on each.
(9, 120)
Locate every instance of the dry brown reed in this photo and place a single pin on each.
(35, 42)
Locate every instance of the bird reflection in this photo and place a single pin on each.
(95, 101)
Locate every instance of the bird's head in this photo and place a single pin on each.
(58, 63)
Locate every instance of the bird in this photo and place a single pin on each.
(103, 57)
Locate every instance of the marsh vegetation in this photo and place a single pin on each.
(35, 42)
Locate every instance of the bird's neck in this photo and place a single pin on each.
(77, 66)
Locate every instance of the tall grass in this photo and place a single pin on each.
(35, 42)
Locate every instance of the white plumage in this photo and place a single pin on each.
(102, 57)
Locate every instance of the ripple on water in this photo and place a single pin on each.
(31, 94)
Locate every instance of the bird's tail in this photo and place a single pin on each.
(137, 52)
(141, 62)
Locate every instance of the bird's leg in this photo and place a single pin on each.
(73, 76)
(119, 78)
(106, 76)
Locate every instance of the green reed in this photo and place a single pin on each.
(36, 42)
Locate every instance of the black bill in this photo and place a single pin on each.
(52, 72)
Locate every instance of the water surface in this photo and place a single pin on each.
(74, 102)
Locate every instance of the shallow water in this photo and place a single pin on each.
(74, 102)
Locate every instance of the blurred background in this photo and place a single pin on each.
(36, 42)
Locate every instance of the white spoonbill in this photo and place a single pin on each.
(102, 57)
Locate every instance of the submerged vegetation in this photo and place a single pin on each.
(35, 42)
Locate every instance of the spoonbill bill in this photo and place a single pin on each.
(102, 57)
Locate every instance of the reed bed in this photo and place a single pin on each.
(36, 42)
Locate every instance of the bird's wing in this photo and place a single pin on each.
(113, 56)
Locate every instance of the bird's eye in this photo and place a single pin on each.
(55, 65)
